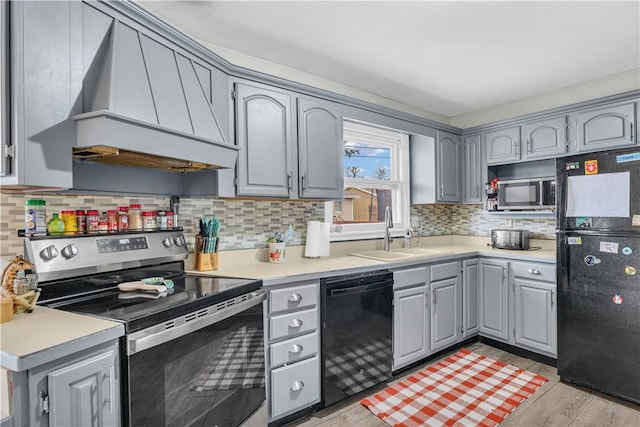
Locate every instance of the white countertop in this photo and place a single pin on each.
(46, 334)
(252, 263)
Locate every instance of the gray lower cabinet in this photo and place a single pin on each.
(81, 389)
(470, 278)
(503, 145)
(605, 127)
(446, 305)
(493, 299)
(410, 325)
(472, 184)
(535, 307)
(448, 167)
(545, 138)
(293, 348)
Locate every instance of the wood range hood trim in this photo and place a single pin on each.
(148, 105)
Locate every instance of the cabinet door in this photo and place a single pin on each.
(545, 138)
(266, 165)
(445, 309)
(535, 315)
(410, 325)
(321, 149)
(5, 158)
(503, 145)
(472, 184)
(470, 326)
(493, 293)
(85, 393)
(449, 152)
(606, 127)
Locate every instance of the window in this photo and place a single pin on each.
(376, 175)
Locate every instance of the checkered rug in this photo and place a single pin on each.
(465, 389)
(239, 363)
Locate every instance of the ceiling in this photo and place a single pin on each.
(446, 57)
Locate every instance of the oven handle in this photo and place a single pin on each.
(146, 339)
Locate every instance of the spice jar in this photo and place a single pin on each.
(123, 218)
(169, 220)
(149, 220)
(92, 221)
(103, 223)
(20, 285)
(32, 281)
(161, 220)
(135, 216)
(81, 219)
(112, 220)
(35, 216)
(70, 221)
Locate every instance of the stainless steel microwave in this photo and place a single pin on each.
(527, 194)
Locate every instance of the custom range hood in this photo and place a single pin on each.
(147, 105)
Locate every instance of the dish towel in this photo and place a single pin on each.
(464, 389)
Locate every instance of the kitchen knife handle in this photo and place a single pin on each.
(296, 348)
(295, 298)
(295, 323)
(297, 386)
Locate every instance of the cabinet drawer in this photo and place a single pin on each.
(533, 271)
(295, 386)
(410, 277)
(293, 297)
(291, 324)
(444, 271)
(293, 350)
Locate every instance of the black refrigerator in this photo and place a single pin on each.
(598, 255)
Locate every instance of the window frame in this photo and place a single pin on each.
(398, 182)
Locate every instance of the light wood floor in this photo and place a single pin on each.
(553, 404)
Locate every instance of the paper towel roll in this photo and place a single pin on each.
(317, 243)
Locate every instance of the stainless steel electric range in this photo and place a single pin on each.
(192, 355)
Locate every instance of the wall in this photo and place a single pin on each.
(247, 224)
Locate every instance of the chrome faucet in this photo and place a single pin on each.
(388, 223)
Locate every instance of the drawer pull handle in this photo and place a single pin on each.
(297, 386)
(534, 271)
(295, 323)
(295, 298)
(296, 348)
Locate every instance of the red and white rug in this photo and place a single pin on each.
(465, 389)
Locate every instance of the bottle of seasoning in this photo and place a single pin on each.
(103, 223)
(135, 216)
(70, 221)
(149, 220)
(169, 220)
(20, 284)
(161, 220)
(112, 220)
(55, 225)
(35, 216)
(81, 219)
(92, 221)
(123, 218)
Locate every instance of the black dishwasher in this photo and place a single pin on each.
(357, 324)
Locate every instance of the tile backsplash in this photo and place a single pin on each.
(246, 224)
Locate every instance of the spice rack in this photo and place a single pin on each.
(22, 233)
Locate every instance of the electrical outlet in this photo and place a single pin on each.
(415, 221)
(508, 222)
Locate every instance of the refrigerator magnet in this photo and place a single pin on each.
(627, 250)
(574, 240)
(591, 260)
(635, 221)
(630, 270)
(609, 247)
(572, 165)
(617, 299)
(582, 222)
(631, 157)
(590, 167)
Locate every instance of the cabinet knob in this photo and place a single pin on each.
(295, 323)
(296, 348)
(295, 298)
(534, 271)
(297, 386)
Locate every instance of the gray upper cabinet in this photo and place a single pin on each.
(606, 127)
(449, 177)
(545, 138)
(493, 295)
(503, 145)
(472, 169)
(267, 164)
(5, 135)
(320, 149)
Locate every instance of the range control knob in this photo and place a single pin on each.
(49, 253)
(70, 251)
(167, 242)
(178, 241)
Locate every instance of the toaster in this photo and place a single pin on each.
(510, 239)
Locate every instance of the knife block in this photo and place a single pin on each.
(204, 262)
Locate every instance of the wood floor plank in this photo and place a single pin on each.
(603, 412)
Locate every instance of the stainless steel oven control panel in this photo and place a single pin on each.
(70, 256)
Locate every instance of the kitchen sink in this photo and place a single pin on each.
(399, 254)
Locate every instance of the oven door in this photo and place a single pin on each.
(201, 370)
